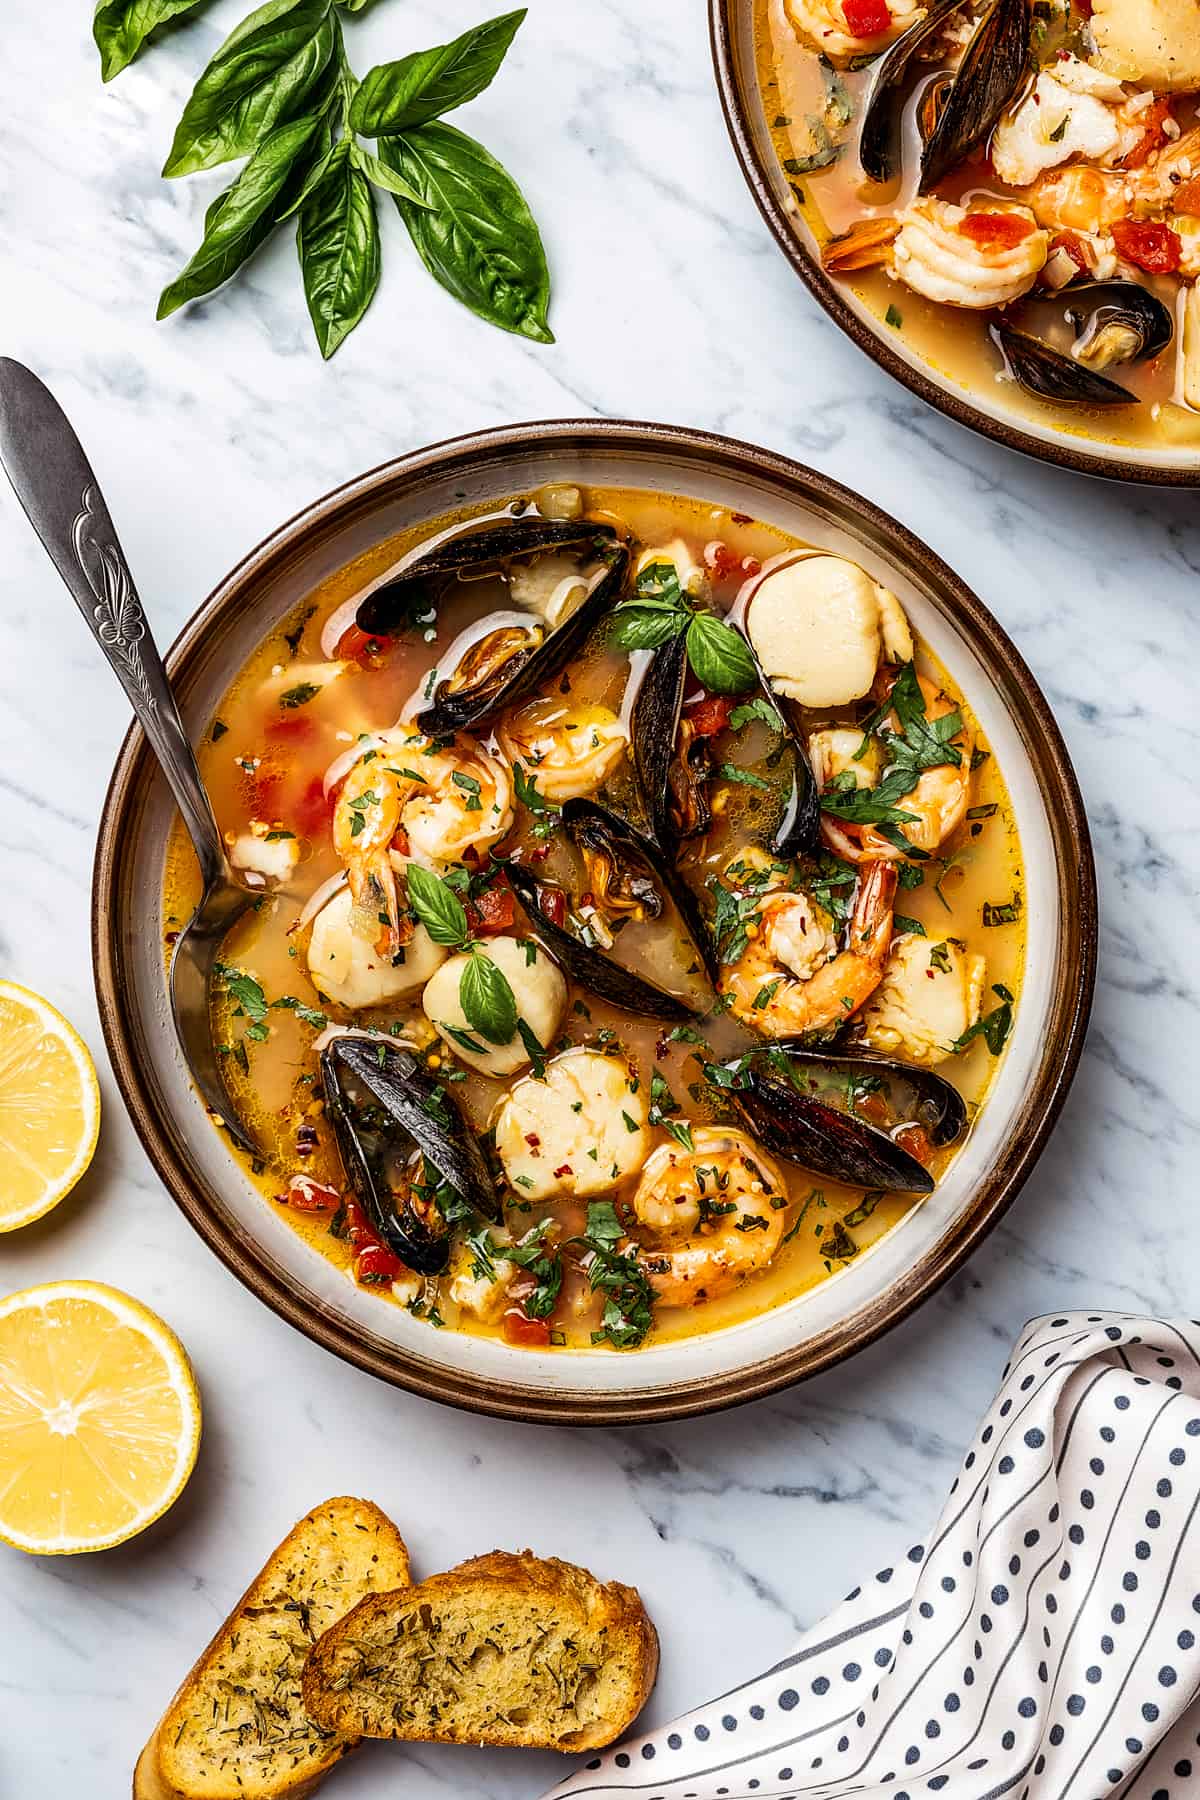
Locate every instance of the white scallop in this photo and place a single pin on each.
(581, 1130)
(539, 989)
(346, 967)
(819, 624)
(921, 1007)
(1155, 42)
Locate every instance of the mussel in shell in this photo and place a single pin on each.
(503, 666)
(778, 1092)
(1049, 375)
(1117, 322)
(878, 146)
(654, 724)
(403, 1142)
(991, 71)
(627, 878)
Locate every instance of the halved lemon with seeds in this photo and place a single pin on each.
(99, 1418)
(49, 1106)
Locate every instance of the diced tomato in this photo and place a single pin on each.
(915, 1140)
(312, 813)
(356, 646)
(866, 18)
(1085, 7)
(292, 728)
(527, 1333)
(306, 1195)
(400, 841)
(375, 1266)
(710, 715)
(1148, 244)
(872, 1107)
(1153, 136)
(1074, 247)
(553, 902)
(492, 911)
(1186, 198)
(264, 786)
(995, 231)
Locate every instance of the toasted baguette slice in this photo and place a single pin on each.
(502, 1650)
(237, 1730)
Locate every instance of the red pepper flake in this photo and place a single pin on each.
(564, 1169)
(533, 1140)
(995, 231)
(1148, 245)
(865, 18)
(357, 646)
(400, 841)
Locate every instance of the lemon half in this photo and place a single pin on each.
(49, 1106)
(99, 1418)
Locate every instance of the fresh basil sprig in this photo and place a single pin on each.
(484, 992)
(437, 906)
(281, 93)
(659, 609)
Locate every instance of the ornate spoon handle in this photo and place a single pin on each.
(55, 484)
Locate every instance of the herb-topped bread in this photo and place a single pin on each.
(237, 1730)
(505, 1650)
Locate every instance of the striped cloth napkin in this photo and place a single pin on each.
(1043, 1644)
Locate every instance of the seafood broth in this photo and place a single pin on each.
(737, 938)
(1119, 207)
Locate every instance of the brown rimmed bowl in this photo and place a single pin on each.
(731, 24)
(785, 1343)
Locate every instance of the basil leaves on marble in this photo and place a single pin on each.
(280, 94)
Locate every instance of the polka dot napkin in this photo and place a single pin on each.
(1042, 1644)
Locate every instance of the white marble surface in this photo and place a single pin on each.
(671, 303)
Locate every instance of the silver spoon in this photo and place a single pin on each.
(54, 482)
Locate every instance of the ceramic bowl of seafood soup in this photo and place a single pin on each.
(787, 1342)
(997, 410)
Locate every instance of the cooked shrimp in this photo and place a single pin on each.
(973, 259)
(1080, 199)
(791, 980)
(935, 807)
(714, 1215)
(825, 25)
(405, 800)
(569, 749)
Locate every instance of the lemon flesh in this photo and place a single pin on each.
(49, 1107)
(99, 1418)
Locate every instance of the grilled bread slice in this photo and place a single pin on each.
(504, 1649)
(237, 1730)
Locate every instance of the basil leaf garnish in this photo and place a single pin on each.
(338, 242)
(121, 27)
(268, 70)
(244, 216)
(476, 236)
(397, 96)
(720, 656)
(637, 627)
(437, 906)
(487, 1000)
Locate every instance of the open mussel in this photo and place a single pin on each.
(626, 878)
(991, 71)
(653, 727)
(1049, 375)
(879, 144)
(528, 648)
(404, 1143)
(1117, 322)
(781, 1093)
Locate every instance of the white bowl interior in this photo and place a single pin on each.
(303, 1270)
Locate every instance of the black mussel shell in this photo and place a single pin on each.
(529, 670)
(799, 830)
(415, 1113)
(878, 148)
(653, 729)
(1146, 325)
(1049, 375)
(590, 825)
(989, 75)
(502, 541)
(593, 968)
(836, 1144)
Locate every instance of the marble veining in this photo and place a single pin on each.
(671, 303)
